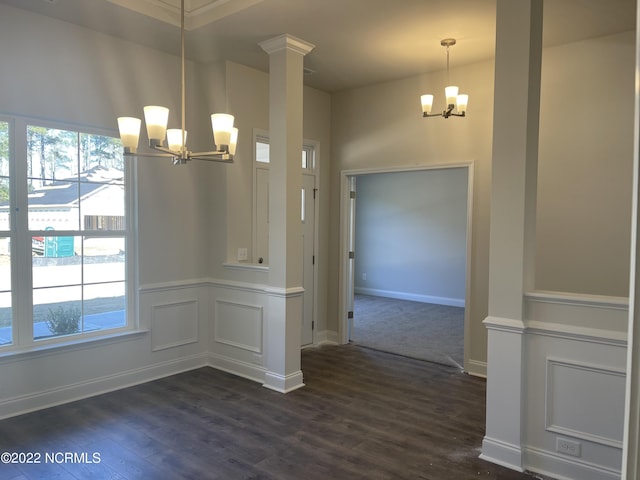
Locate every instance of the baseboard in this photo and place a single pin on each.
(326, 337)
(70, 393)
(501, 453)
(561, 467)
(477, 368)
(414, 297)
(242, 369)
(281, 383)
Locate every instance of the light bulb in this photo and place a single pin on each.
(156, 119)
(129, 128)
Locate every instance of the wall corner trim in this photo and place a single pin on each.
(504, 324)
(284, 292)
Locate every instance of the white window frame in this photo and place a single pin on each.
(21, 257)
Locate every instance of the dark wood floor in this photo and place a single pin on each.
(362, 415)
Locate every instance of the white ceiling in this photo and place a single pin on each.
(358, 42)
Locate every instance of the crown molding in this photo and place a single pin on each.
(198, 13)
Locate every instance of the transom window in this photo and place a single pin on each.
(262, 153)
(64, 234)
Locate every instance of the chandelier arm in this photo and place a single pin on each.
(167, 151)
(220, 158)
(148, 154)
(208, 154)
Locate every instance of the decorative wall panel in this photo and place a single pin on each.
(174, 324)
(585, 401)
(238, 325)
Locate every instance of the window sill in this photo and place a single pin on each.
(254, 267)
(39, 350)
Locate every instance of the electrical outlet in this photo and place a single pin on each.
(568, 447)
(243, 254)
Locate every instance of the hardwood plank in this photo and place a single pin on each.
(363, 414)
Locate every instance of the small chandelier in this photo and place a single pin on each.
(455, 101)
(225, 136)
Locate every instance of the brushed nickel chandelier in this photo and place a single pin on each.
(225, 135)
(456, 103)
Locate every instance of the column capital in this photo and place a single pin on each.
(286, 41)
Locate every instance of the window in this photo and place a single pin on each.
(65, 237)
(262, 153)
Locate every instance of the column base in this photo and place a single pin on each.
(502, 453)
(281, 383)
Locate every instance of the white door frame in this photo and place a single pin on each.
(312, 175)
(312, 171)
(345, 285)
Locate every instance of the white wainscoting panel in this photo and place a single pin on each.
(238, 312)
(174, 324)
(585, 401)
(239, 325)
(574, 370)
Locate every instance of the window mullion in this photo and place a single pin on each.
(21, 249)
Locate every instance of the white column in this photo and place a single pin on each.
(284, 316)
(513, 198)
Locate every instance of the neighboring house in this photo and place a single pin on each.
(95, 197)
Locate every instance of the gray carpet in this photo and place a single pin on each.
(419, 330)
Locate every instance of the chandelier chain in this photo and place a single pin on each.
(182, 75)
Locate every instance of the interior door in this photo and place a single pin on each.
(307, 215)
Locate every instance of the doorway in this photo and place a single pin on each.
(405, 241)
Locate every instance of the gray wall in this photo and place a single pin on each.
(586, 167)
(411, 235)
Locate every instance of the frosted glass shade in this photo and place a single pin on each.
(222, 125)
(156, 119)
(427, 103)
(463, 100)
(129, 128)
(233, 141)
(174, 139)
(451, 93)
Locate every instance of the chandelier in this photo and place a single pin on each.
(455, 101)
(225, 136)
